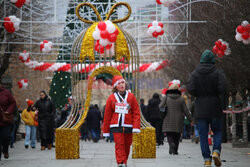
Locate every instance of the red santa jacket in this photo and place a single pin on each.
(111, 118)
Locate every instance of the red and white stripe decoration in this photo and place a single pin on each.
(165, 2)
(243, 33)
(24, 56)
(11, 24)
(46, 46)
(43, 66)
(221, 48)
(23, 83)
(155, 29)
(20, 3)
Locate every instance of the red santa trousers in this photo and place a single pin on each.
(123, 142)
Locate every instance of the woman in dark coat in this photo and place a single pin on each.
(174, 119)
(154, 115)
(7, 105)
(46, 114)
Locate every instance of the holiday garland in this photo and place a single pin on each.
(86, 68)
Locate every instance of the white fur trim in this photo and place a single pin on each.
(136, 131)
(106, 134)
(117, 82)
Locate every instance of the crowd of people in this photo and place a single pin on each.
(173, 115)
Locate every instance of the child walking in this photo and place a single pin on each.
(122, 117)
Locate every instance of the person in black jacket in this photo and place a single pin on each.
(93, 122)
(208, 85)
(155, 118)
(143, 108)
(46, 122)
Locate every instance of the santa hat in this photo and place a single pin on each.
(175, 81)
(29, 102)
(117, 79)
(164, 91)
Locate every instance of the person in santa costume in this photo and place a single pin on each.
(122, 117)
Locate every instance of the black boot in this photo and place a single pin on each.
(171, 148)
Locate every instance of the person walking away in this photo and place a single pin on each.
(143, 108)
(15, 127)
(208, 85)
(196, 137)
(7, 108)
(30, 119)
(122, 117)
(174, 119)
(46, 122)
(93, 121)
(155, 117)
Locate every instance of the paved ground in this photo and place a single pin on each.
(102, 155)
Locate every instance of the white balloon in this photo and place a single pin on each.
(151, 30)
(158, 29)
(13, 1)
(164, 1)
(108, 22)
(228, 51)
(50, 44)
(111, 28)
(103, 42)
(155, 23)
(149, 33)
(27, 1)
(246, 42)
(244, 23)
(238, 37)
(96, 35)
(16, 26)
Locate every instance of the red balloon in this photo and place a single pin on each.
(9, 26)
(6, 19)
(112, 37)
(224, 47)
(41, 46)
(245, 35)
(220, 53)
(155, 34)
(161, 32)
(240, 29)
(248, 28)
(12, 29)
(102, 26)
(19, 3)
(160, 24)
(218, 44)
(19, 84)
(97, 47)
(215, 50)
(101, 49)
(158, 1)
(104, 34)
(108, 46)
(116, 32)
(150, 25)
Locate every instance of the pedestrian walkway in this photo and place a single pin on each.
(102, 155)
